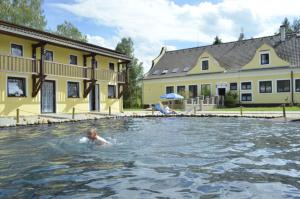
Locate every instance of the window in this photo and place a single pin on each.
(246, 85)
(265, 87)
(233, 86)
(264, 58)
(297, 85)
(16, 50)
(175, 70)
(246, 97)
(283, 86)
(164, 71)
(112, 66)
(73, 59)
(169, 89)
(205, 65)
(73, 89)
(193, 91)
(16, 87)
(112, 91)
(49, 55)
(186, 69)
(181, 90)
(205, 90)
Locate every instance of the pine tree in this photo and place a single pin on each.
(217, 41)
(133, 94)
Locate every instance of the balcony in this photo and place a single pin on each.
(10, 63)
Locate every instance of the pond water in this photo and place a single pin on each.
(153, 158)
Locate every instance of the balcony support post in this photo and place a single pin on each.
(38, 79)
(122, 85)
(90, 84)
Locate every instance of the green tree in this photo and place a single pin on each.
(296, 25)
(67, 29)
(133, 93)
(23, 12)
(287, 24)
(217, 41)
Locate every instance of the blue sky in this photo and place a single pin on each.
(175, 24)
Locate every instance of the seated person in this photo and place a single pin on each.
(93, 137)
(167, 109)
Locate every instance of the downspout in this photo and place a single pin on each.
(292, 85)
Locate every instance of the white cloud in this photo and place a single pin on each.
(152, 23)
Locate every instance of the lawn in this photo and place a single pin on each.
(278, 108)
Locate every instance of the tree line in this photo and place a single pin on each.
(29, 13)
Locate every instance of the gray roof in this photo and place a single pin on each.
(41, 36)
(232, 56)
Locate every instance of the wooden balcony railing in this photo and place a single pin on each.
(29, 65)
(65, 70)
(121, 77)
(18, 64)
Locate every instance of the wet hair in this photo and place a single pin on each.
(91, 132)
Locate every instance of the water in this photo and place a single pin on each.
(153, 158)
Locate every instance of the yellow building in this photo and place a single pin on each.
(45, 73)
(262, 71)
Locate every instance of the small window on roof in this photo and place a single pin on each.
(186, 69)
(165, 71)
(175, 70)
(155, 72)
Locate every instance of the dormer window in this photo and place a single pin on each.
(186, 69)
(164, 71)
(175, 70)
(155, 72)
(264, 58)
(205, 65)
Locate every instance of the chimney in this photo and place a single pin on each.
(282, 33)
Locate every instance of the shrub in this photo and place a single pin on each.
(231, 99)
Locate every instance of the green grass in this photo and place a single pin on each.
(278, 108)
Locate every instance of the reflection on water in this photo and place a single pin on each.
(153, 158)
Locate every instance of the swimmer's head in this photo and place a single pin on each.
(92, 134)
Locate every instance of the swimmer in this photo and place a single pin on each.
(93, 137)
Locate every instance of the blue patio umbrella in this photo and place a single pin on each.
(172, 96)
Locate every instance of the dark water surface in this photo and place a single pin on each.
(153, 158)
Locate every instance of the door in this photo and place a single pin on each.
(48, 97)
(221, 91)
(94, 99)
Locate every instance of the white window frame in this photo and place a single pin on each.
(165, 91)
(182, 86)
(204, 59)
(116, 91)
(268, 80)
(52, 55)
(246, 90)
(79, 87)
(237, 86)
(23, 51)
(264, 52)
(17, 76)
(295, 85)
(210, 87)
(70, 59)
(283, 79)
(241, 99)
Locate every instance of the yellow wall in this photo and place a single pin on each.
(213, 65)
(152, 89)
(274, 60)
(30, 106)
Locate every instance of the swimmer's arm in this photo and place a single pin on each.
(102, 140)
